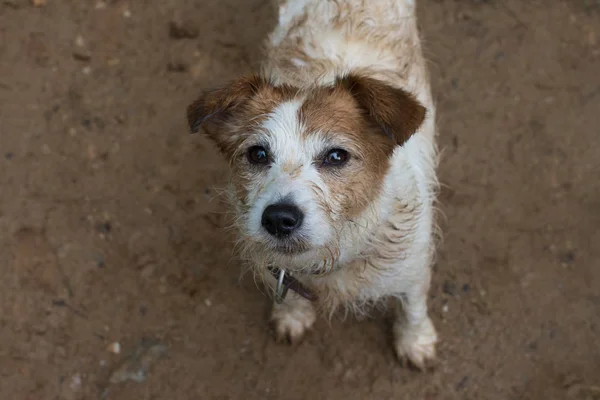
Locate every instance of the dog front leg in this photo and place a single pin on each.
(414, 334)
(292, 318)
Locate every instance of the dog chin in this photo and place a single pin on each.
(289, 248)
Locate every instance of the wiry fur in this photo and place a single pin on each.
(369, 234)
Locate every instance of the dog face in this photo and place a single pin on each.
(306, 163)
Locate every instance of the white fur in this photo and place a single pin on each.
(289, 175)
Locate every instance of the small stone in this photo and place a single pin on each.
(61, 351)
(126, 13)
(137, 366)
(91, 151)
(79, 41)
(121, 118)
(177, 66)
(114, 348)
(100, 261)
(449, 288)
(38, 3)
(207, 302)
(148, 270)
(75, 383)
(568, 258)
(462, 383)
(445, 308)
(592, 39)
(39, 328)
(104, 228)
(182, 30)
(101, 5)
(82, 55)
(86, 70)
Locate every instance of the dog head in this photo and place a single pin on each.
(306, 162)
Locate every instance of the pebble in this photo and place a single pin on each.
(592, 39)
(177, 66)
(38, 3)
(104, 227)
(75, 383)
(91, 151)
(114, 348)
(136, 367)
(82, 55)
(568, 258)
(100, 263)
(449, 288)
(79, 41)
(182, 30)
(462, 383)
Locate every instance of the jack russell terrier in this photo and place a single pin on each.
(332, 153)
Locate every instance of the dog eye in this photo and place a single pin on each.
(336, 157)
(258, 155)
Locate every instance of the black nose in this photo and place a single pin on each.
(281, 219)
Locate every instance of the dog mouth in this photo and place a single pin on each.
(289, 247)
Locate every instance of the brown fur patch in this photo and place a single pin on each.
(230, 116)
(361, 115)
(228, 113)
(337, 116)
(395, 111)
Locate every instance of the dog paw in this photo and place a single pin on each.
(416, 344)
(290, 323)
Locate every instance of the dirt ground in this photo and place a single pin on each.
(109, 232)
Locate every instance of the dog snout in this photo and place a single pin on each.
(282, 219)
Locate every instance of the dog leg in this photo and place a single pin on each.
(292, 318)
(414, 333)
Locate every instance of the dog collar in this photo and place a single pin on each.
(286, 281)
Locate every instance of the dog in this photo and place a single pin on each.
(333, 159)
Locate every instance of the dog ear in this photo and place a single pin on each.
(214, 109)
(216, 105)
(397, 112)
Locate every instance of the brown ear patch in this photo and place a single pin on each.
(397, 112)
(216, 104)
(230, 113)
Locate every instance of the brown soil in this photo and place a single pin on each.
(108, 234)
